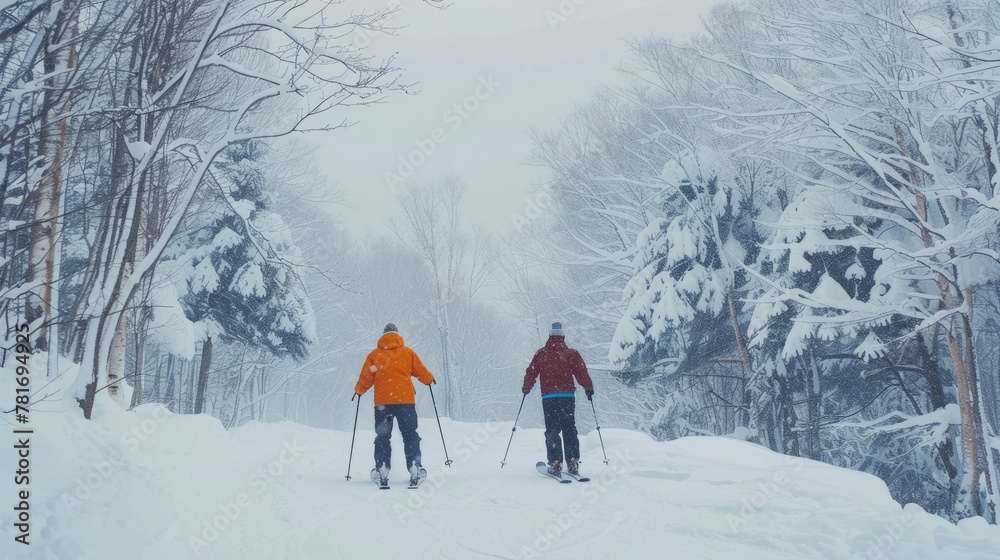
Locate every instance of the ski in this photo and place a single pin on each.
(577, 477)
(542, 468)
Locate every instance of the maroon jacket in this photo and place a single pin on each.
(557, 364)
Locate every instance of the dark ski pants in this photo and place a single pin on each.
(406, 414)
(560, 416)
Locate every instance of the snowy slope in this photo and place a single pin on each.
(147, 484)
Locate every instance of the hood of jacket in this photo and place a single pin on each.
(390, 340)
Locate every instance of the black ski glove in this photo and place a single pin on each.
(525, 391)
(590, 394)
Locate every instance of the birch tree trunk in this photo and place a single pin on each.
(59, 61)
(964, 368)
(983, 428)
(116, 364)
(140, 368)
(970, 440)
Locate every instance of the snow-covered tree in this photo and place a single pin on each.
(875, 122)
(873, 115)
(883, 171)
(682, 282)
(160, 92)
(681, 305)
(243, 273)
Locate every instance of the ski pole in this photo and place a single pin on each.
(599, 431)
(353, 432)
(447, 461)
(512, 430)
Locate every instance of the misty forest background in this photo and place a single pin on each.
(782, 229)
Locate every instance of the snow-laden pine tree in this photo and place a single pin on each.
(680, 304)
(242, 272)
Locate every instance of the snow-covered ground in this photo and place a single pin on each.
(148, 484)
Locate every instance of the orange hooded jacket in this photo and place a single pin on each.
(389, 368)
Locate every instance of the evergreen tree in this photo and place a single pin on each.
(243, 273)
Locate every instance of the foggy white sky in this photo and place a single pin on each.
(539, 72)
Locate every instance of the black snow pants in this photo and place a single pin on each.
(560, 416)
(407, 416)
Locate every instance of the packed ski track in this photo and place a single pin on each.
(148, 484)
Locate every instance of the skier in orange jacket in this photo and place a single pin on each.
(389, 368)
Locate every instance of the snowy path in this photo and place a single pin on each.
(159, 482)
(477, 510)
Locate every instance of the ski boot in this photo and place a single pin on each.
(380, 476)
(417, 475)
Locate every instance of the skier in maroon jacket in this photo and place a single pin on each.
(557, 364)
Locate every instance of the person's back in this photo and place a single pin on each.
(388, 368)
(557, 365)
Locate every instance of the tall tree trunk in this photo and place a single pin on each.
(970, 439)
(157, 393)
(982, 421)
(116, 359)
(964, 371)
(813, 396)
(746, 418)
(171, 393)
(788, 418)
(261, 391)
(182, 383)
(236, 402)
(116, 362)
(112, 277)
(138, 384)
(206, 364)
(192, 384)
(935, 385)
(59, 60)
(446, 376)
